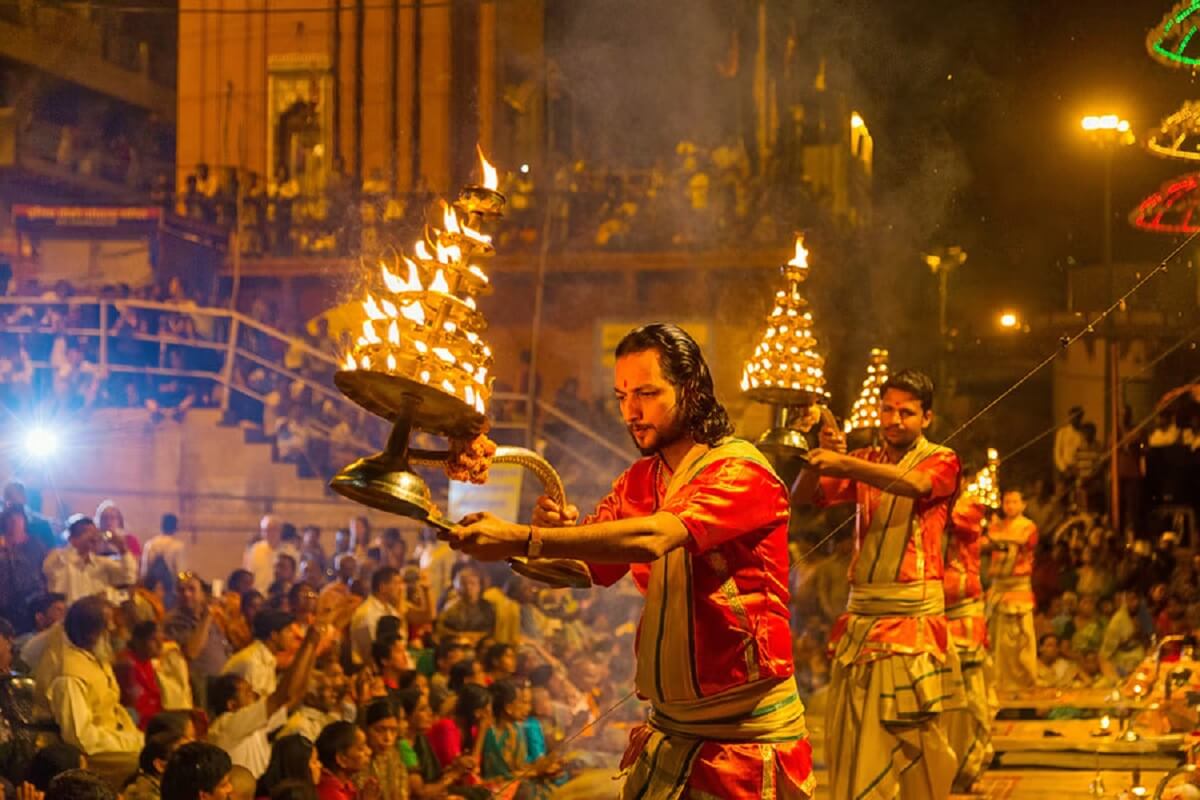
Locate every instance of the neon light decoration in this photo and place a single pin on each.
(1168, 42)
(1172, 209)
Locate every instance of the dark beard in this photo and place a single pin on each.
(665, 438)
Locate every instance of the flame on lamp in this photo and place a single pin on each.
(393, 333)
(369, 333)
(801, 258)
(439, 283)
(422, 250)
(449, 219)
(372, 309)
(391, 362)
(490, 179)
(413, 312)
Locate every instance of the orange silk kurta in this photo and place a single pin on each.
(918, 559)
(1019, 538)
(736, 512)
(963, 587)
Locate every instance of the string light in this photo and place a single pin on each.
(986, 484)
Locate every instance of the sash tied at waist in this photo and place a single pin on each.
(763, 712)
(1013, 583)
(965, 609)
(915, 599)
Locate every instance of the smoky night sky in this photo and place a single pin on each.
(974, 108)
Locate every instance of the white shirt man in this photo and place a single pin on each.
(1068, 440)
(76, 571)
(386, 600)
(166, 546)
(260, 557)
(244, 718)
(256, 663)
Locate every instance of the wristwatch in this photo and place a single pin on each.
(534, 545)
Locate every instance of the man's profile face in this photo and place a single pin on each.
(650, 406)
(902, 419)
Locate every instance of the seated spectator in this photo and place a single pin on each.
(459, 739)
(426, 776)
(193, 626)
(242, 718)
(136, 674)
(390, 657)
(468, 615)
(84, 697)
(257, 663)
(321, 705)
(197, 771)
(386, 600)
(52, 760)
(1054, 671)
(1126, 637)
(509, 751)
(79, 784)
(382, 725)
(21, 559)
(77, 571)
(1087, 626)
(345, 755)
(499, 662)
(450, 650)
(293, 758)
(146, 783)
(292, 436)
(1089, 675)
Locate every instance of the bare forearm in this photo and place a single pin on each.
(624, 541)
(889, 478)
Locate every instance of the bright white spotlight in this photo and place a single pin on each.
(524, 169)
(41, 442)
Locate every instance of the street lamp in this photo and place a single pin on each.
(1009, 320)
(941, 263)
(1110, 132)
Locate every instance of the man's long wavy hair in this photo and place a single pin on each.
(703, 416)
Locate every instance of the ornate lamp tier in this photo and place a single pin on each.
(786, 369)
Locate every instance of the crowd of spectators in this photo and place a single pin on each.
(385, 666)
(165, 354)
(700, 197)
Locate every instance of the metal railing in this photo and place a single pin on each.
(229, 348)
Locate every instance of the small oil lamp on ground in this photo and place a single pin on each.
(422, 364)
(787, 373)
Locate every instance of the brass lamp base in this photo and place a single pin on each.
(423, 407)
(787, 450)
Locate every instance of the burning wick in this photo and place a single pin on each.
(1105, 723)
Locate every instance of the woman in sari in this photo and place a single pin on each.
(510, 754)
(426, 777)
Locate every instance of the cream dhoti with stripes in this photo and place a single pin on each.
(967, 720)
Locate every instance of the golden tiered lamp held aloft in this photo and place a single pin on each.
(865, 413)
(785, 371)
(421, 363)
(986, 483)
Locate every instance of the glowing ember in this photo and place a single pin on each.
(490, 179)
